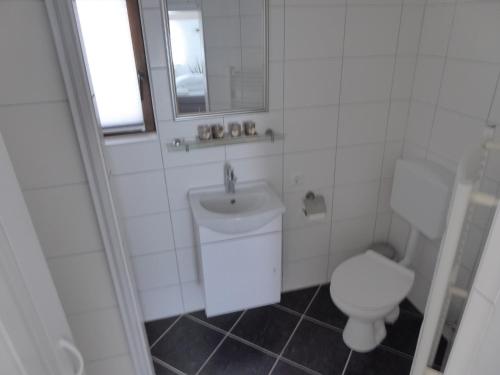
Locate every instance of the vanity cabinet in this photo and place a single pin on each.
(240, 271)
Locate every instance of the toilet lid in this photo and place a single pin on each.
(370, 281)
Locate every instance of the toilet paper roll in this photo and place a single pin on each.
(316, 217)
(314, 207)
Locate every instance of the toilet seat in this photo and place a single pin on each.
(370, 282)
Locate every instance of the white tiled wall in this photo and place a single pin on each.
(455, 82)
(341, 74)
(37, 127)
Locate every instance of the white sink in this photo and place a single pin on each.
(252, 206)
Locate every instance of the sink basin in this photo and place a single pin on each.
(252, 206)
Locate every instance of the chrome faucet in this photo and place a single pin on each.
(229, 178)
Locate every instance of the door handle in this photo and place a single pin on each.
(75, 353)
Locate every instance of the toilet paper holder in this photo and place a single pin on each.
(314, 206)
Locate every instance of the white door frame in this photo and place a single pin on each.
(65, 33)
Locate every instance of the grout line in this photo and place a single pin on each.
(164, 333)
(323, 324)
(395, 351)
(441, 78)
(167, 366)
(220, 343)
(344, 372)
(290, 311)
(337, 133)
(298, 365)
(294, 330)
(386, 132)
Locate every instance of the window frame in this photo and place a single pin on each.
(143, 76)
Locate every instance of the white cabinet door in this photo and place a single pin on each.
(35, 338)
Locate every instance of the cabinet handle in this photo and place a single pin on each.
(72, 350)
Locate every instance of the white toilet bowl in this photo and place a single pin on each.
(368, 288)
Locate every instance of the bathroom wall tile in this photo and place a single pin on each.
(185, 128)
(366, 79)
(393, 151)
(310, 128)
(352, 234)
(276, 32)
(181, 158)
(161, 303)
(290, 3)
(453, 133)
(382, 227)
(384, 198)
(78, 291)
(436, 29)
(25, 79)
(359, 163)
(148, 234)
(161, 94)
(276, 79)
(193, 296)
(180, 180)
(312, 82)
(309, 170)
(155, 270)
(362, 123)
(314, 32)
(131, 157)
(45, 130)
(398, 119)
(371, 30)
(409, 32)
(263, 121)
(428, 79)
(420, 122)
(468, 87)
(449, 164)
(183, 228)
(103, 324)
(303, 273)
(398, 236)
(155, 42)
(306, 242)
(59, 229)
(252, 150)
(495, 109)
(140, 193)
(188, 268)
(475, 32)
(268, 168)
(354, 200)
(413, 152)
(338, 257)
(294, 216)
(403, 77)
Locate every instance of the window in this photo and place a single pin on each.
(111, 35)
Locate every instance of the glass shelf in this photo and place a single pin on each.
(194, 144)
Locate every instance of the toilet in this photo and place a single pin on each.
(368, 288)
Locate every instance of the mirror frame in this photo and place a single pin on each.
(173, 89)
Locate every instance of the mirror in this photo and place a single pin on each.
(217, 56)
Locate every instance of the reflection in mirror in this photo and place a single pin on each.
(218, 55)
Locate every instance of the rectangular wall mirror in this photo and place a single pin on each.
(217, 54)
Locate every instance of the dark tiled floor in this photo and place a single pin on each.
(301, 335)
